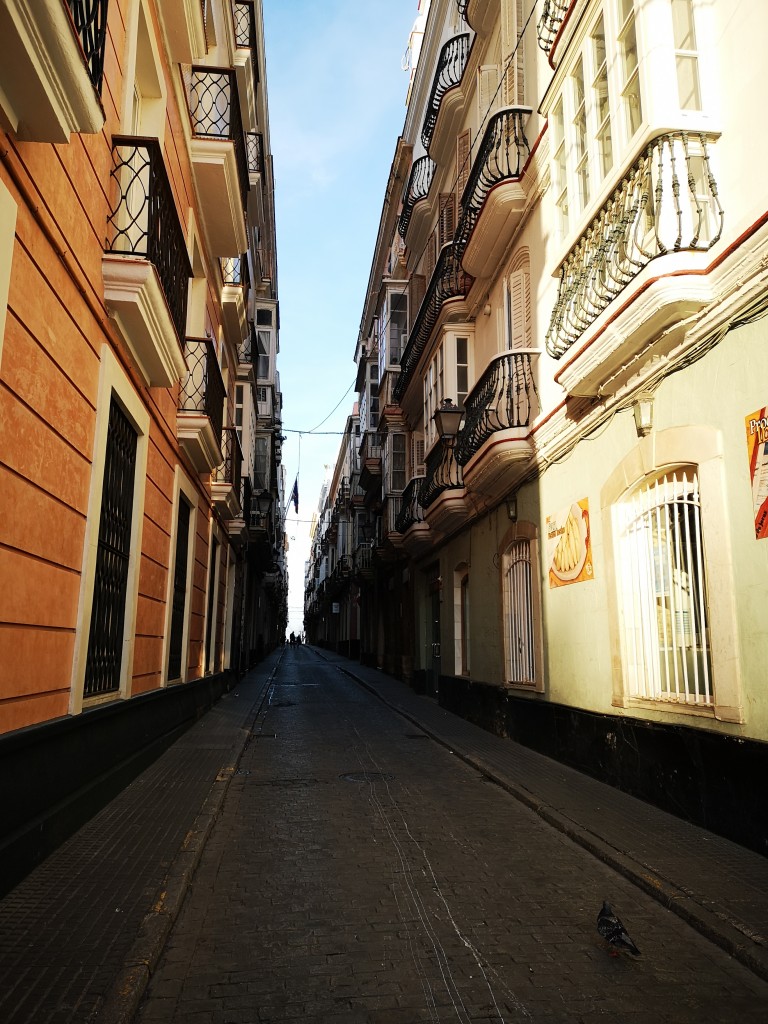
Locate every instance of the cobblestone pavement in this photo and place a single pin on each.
(360, 872)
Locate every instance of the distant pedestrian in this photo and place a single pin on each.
(293, 638)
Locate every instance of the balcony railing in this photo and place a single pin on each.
(255, 146)
(234, 271)
(500, 157)
(442, 473)
(450, 68)
(89, 18)
(416, 189)
(230, 470)
(410, 509)
(391, 513)
(447, 282)
(550, 21)
(144, 221)
(202, 390)
(245, 32)
(667, 202)
(503, 397)
(370, 446)
(215, 112)
(364, 559)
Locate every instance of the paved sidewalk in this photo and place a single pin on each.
(718, 887)
(81, 936)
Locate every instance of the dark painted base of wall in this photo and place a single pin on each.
(713, 780)
(58, 775)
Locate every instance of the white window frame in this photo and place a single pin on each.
(699, 447)
(440, 379)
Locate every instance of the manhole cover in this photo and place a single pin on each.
(366, 776)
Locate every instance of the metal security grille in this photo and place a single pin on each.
(664, 594)
(210, 645)
(179, 592)
(105, 639)
(89, 18)
(518, 595)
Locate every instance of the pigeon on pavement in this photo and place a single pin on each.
(614, 932)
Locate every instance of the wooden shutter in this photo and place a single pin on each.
(430, 256)
(520, 309)
(417, 455)
(513, 66)
(462, 164)
(417, 286)
(447, 223)
(487, 95)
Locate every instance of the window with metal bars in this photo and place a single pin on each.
(519, 617)
(105, 636)
(179, 599)
(663, 591)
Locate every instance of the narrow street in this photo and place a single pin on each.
(360, 872)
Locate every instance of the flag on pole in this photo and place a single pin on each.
(295, 494)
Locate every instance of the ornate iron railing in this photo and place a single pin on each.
(448, 281)
(234, 270)
(245, 31)
(255, 146)
(410, 509)
(417, 188)
(370, 446)
(144, 221)
(503, 397)
(230, 470)
(442, 473)
(214, 108)
(550, 21)
(500, 157)
(450, 68)
(202, 389)
(390, 513)
(89, 20)
(363, 558)
(650, 214)
(246, 347)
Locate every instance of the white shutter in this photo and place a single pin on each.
(519, 309)
(487, 96)
(417, 456)
(512, 18)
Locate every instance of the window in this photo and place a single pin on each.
(396, 319)
(448, 375)
(461, 620)
(686, 55)
(513, 62)
(398, 468)
(520, 578)
(517, 304)
(664, 617)
(261, 464)
(462, 370)
(433, 394)
(630, 76)
(105, 637)
(263, 342)
(447, 220)
(179, 597)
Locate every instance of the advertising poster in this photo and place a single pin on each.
(569, 545)
(757, 449)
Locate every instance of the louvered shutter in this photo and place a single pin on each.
(487, 95)
(447, 224)
(462, 164)
(417, 456)
(430, 256)
(513, 66)
(520, 309)
(417, 286)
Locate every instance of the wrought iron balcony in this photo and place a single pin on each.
(144, 221)
(245, 32)
(667, 202)
(215, 113)
(550, 21)
(255, 147)
(503, 398)
(234, 271)
(448, 281)
(201, 405)
(364, 561)
(390, 514)
(89, 19)
(225, 479)
(410, 509)
(442, 473)
(500, 157)
(416, 189)
(449, 71)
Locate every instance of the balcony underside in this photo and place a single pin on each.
(499, 464)
(237, 529)
(218, 186)
(418, 538)
(45, 90)
(184, 28)
(234, 313)
(448, 124)
(653, 322)
(225, 499)
(197, 438)
(448, 511)
(497, 223)
(481, 15)
(135, 300)
(370, 473)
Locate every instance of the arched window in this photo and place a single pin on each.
(663, 609)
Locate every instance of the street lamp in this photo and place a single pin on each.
(262, 502)
(447, 419)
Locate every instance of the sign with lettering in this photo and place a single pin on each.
(757, 449)
(569, 545)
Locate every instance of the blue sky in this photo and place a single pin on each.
(336, 93)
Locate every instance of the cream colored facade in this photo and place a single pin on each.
(581, 245)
